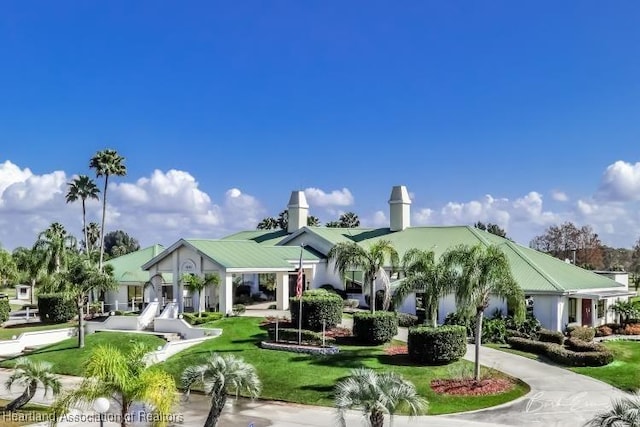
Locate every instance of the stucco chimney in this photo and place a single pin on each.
(399, 208)
(298, 210)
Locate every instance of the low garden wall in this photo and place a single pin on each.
(36, 338)
(180, 326)
(172, 348)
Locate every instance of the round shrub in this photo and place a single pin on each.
(317, 306)
(583, 333)
(55, 308)
(375, 328)
(437, 346)
(407, 320)
(546, 335)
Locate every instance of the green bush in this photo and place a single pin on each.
(318, 306)
(527, 328)
(291, 335)
(340, 292)
(583, 333)
(238, 309)
(436, 346)
(494, 331)
(567, 357)
(546, 335)
(55, 308)
(379, 301)
(407, 320)
(458, 318)
(576, 344)
(193, 319)
(375, 328)
(5, 309)
(530, 346)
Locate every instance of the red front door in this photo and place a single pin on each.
(586, 312)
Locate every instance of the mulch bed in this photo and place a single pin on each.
(339, 332)
(394, 350)
(471, 387)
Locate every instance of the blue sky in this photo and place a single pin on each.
(456, 100)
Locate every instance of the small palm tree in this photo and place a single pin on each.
(349, 256)
(482, 272)
(198, 284)
(427, 276)
(220, 375)
(377, 394)
(29, 374)
(92, 233)
(29, 262)
(82, 188)
(56, 244)
(124, 377)
(313, 221)
(106, 163)
(624, 412)
(349, 220)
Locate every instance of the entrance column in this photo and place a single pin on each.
(226, 292)
(282, 291)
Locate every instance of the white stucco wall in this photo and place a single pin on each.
(37, 338)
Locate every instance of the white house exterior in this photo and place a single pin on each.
(558, 293)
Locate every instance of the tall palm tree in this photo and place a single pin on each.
(124, 377)
(348, 256)
(92, 232)
(198, 284)
(106, 163)
(268, 223)
(377, 394)
(624, 412)
(56, 244)
(83, 188)
(220, 375)
(425, 275)
(349, 220)
(482, 272)
(29, 374)
(313, 221)
(30, 265)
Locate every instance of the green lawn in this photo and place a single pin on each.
(7, 333)
(29, 414)
(507, 349)
(67, 359)
(310, 379)
(623, 372)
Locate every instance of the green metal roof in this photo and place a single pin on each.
(534, 271)
(263, 237)
(128, 268)
(241, 253)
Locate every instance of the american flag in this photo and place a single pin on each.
(299, 286)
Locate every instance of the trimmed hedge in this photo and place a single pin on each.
(55, 308)
(375, 328)
(546, 335)
(583, 333)
(317, 306)
(579, 345)
(5, 309)
(437, 346)
(207, 316)
(562, 355)
(291, 335)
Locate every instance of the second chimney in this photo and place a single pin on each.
(298, 210)
(399, 208)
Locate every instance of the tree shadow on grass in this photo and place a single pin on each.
(396, 360)
(350, 359)
(319, 388)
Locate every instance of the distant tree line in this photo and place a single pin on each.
(346, 220)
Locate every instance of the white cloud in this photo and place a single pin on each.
(377, 220)
(620, 182)
(559, 196)
(319, 198)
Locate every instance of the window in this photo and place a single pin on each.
(23, 291)
(573, 310)
(353, 282)
(134, 292)
(602, 306)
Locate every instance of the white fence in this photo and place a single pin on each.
(37, 338)
(171, 348)
(179, 326)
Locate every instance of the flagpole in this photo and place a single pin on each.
(299, 290)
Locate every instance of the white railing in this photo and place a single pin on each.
(122, 323)
(170, 311)
(179, 326)
(171, 348)
(148, 314)
(37, 338)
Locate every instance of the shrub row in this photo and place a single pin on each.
(546, 335)
(5, 309)
(318, 306)
(407, 320)
(55, 308)
(562, 355)
(291, 335)
(579, 345)
(437, 346)
(375, 328)
(206, 317)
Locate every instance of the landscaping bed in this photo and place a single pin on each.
(310, 379)
(471, 387)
